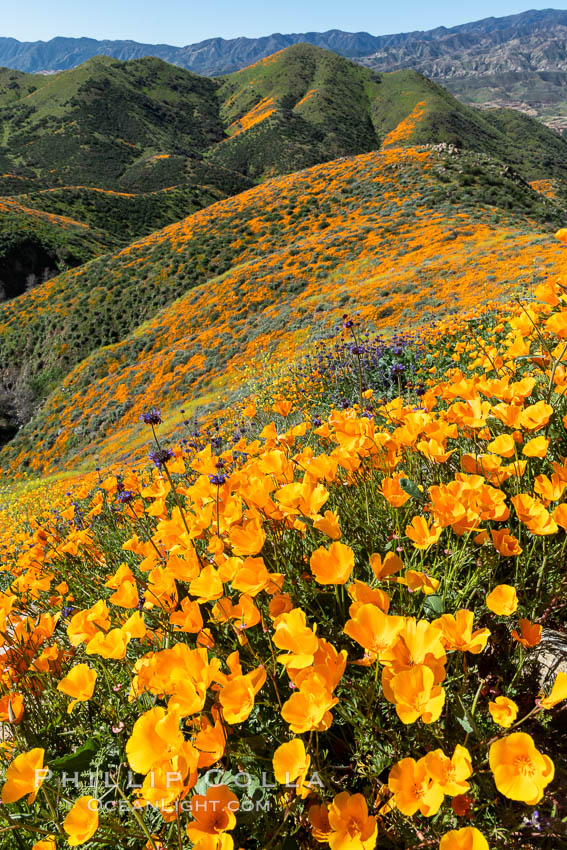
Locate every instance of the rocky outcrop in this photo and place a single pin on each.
(549, 657)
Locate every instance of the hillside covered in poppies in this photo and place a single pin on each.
(129, 147)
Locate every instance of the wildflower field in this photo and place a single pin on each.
(177, 317)
(315, 621)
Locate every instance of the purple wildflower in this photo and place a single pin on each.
(161, 457)
(152, 417)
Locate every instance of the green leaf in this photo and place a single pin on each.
(433, 605)
(464, 717)
(412, 489)
(79, 760)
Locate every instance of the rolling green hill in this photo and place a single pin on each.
(298, 107)
(93, 124)
(124, 216)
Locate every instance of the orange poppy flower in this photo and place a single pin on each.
(434, 450)
(280, 603)
(237, 696)
(210, 740)
(84, 625)
(282, 407)
(361, 594)
(351, 827)
(386, 566)
(533, 513)
(392, 491)
(503, 711)
(319, 820)
(155, 737)
(550, 489)
(450, 773)
(520, 771)
(252, 577)
(557, 322)
(207, 586)
(458, 632)
(333, 565)
(416, 695)
(413, 788)
(467, 838)
(503, 600)
(45, 844)
(505, 543)
(165, 782)
(328, 524)
(111, 645)
(536, 447)
(503, 445)
(560, 515)
(25, 775)
(291, 762)
(188, 618)
(373, 629)
(419, 581)
(213, 813)
(530, 633)
(418, 642)
(309, 708)
(536, 416)
(82, 821)
(558, 691)
(293, 633)
(79, 683)
(247, 539)
(421, 535)
(11, 707)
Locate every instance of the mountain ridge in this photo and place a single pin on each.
(216, 56)
(517, 61)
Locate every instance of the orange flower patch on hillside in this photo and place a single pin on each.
(305, 98)
(259, 276)
(13, 205)
(544, 187)
(258, 113)
(405, 128)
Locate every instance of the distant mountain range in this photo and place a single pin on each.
(518, 61)
(530, 41)
(212, 57)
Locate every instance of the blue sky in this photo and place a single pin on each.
(184, 21)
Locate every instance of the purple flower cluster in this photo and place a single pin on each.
(126, 496)
(152, 417)
(161, 456)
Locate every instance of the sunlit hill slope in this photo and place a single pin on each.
(402, 235)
